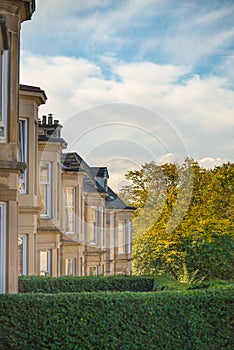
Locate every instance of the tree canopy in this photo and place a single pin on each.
(184, 222)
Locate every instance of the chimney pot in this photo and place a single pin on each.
(44, 120)
(50, 119)
(56, 122)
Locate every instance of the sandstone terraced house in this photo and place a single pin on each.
(58, 215)
(12, 14)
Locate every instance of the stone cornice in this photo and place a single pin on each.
(12, 165)
(34, 93)
(29, 209)
(54, 230)
(22, 8)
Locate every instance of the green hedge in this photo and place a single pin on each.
(120, 283)
(189, 320)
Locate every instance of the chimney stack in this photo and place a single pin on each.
(50, 119)
(44, 117)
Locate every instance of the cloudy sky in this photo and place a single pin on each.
(133, 80)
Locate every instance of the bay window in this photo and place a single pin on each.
(2, 248)
(93, 271)
(22, 255)
(70, 199)
(129, 237)
(45, 263)
(122, 237)
(3, 95)
(81, 215)
(70, 265)
(23, 137)
(81, 266)
(102, 228)
(45, 189)
(93, 232)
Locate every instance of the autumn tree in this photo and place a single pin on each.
(184, 222)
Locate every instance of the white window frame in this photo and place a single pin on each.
(70, 266)
(112, 232)
(3, 210)
(48, 256)
(94, 226)
(24, 254)
(130, 237)
(73, 207)
(81, 215)
(4, 96)
(102, 228)
(23, 131)
(58, 190)
(81, 266)
(48, 204)
(122, 243)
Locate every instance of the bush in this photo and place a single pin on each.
(170, 320)
(65, 284)
(167, 283)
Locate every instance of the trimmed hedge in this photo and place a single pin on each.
(65, 284)
(191, 320)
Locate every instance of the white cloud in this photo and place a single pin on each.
(201, 109)
(60, 77)
(205, 102)
(146, 53)
(185, 34)
(211, 17)
(197, 32)
(209, 163)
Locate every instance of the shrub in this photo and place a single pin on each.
(170, 320)
(67, 284)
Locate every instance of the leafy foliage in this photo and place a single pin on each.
(184, 225)
(65, 284)
(190, 320)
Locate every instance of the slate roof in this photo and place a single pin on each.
(99, 171)
(32, 89)
(73, 162)
(114, 202)
(70, 162)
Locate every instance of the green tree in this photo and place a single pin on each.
(184, 222)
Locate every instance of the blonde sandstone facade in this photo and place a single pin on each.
(30, 100)
(70, 221)
(12, 14)
(58, 216)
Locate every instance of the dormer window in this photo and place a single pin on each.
(101, 176)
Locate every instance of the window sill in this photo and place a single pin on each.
(45, 217)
